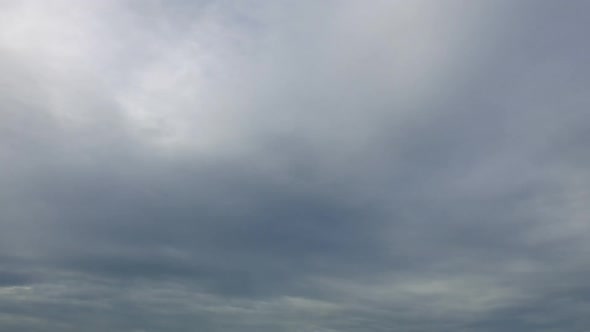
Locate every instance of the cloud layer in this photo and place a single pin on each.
(294, 166)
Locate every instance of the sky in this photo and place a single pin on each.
(294, 166)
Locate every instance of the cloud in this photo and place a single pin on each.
(256, 166)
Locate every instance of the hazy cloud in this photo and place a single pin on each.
(294, 166)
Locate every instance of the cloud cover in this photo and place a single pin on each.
(294, 166)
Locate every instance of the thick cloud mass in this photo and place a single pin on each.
(296, 166)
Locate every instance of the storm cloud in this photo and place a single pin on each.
(296, 166)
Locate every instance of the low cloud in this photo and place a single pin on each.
(255, 166)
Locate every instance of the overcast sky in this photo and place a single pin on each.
(294, 166)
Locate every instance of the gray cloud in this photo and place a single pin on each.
(254, 166)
